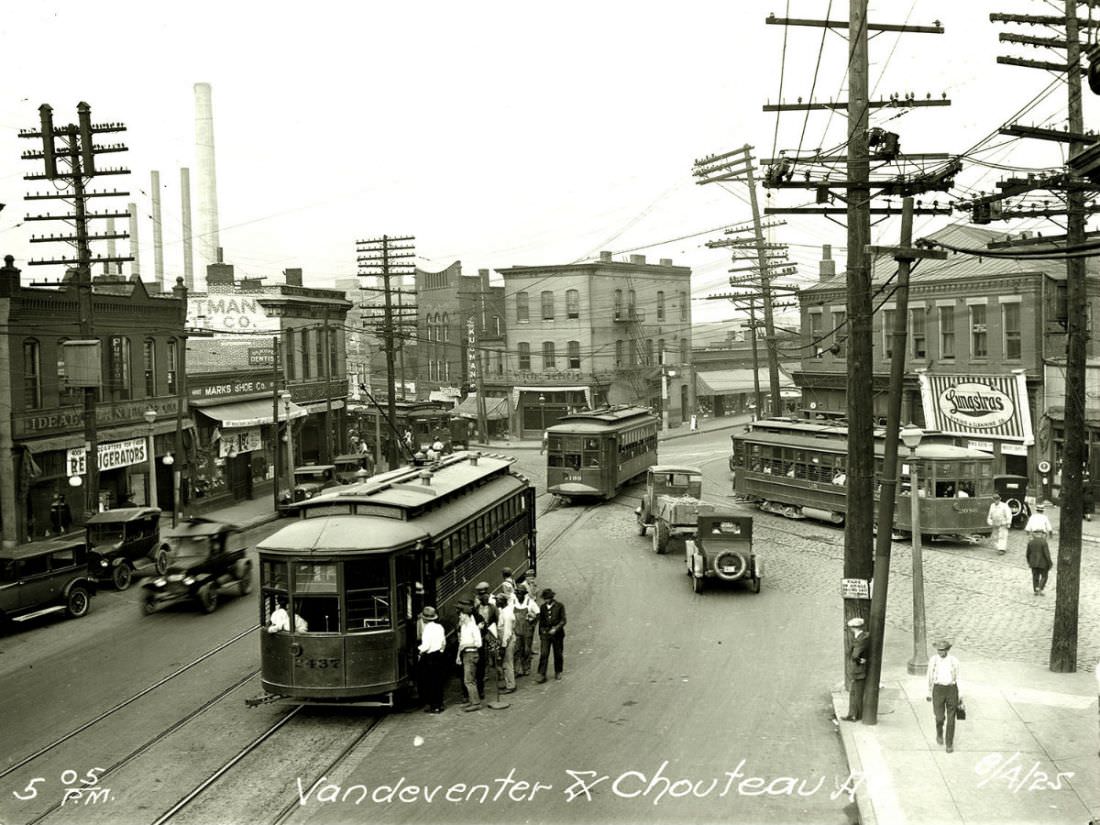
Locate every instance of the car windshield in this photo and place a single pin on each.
(188, 550)
(105, 533)
(309, 475)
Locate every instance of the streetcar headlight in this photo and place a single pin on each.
(190, 580)
(160, 582)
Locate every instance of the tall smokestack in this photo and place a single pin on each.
(135, 251)
(185, 210)
(111, 267)
(208, 185)
(158, 240)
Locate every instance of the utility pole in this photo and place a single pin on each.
(387, 258)
(856, 191)
(1063, 647)
(738, 165)
(78, 152)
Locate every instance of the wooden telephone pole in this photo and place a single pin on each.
(72, 164)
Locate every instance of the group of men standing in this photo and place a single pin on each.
(495, 635)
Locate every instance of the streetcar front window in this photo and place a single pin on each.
(314, 577)
(367, 582)
(321, 613)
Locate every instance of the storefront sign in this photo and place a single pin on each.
(471, 350)
(261, 357)
(1013, 449)
(240, 441)
(984, 446)
(993, 406)
(71, 419)
(111, 456)
(227, 389)
(229, 313)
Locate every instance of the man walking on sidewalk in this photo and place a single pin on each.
(1038, 559)
(943, 692)
(999, 518)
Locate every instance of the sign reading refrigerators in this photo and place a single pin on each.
(988, 406)
(111, 456)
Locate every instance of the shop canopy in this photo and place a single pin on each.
(254, 413)
(496, 409)
(727, 382)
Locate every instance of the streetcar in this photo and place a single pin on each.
(591, 454)
(798, 469)
(359, 564)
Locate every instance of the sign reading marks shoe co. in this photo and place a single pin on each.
(994, 406)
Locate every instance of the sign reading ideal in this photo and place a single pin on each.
(111, 456)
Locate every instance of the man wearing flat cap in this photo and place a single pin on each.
(943, 692)
(855, 667)
(551, 634)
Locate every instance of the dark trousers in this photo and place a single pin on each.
(482, 661)
(945, 700)
(557, 644)
(855, 698)
(1039, 577)
(433, 673)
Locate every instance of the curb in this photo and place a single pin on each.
(855, 764)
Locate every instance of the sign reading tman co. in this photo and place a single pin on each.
(992, 406)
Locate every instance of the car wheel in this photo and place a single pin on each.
(698, 583)
(246, 581)
(122, 575)
(660, 537)
(733, 560)
(160, 561)
(78, 602)
(208, 597)
(149, 605)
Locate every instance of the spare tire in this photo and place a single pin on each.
(730, 565)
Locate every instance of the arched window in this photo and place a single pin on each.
(574, 355)
(32, 374)
(149, 366)
(548, 355)
(572, 303)
(173, 367)
(522, 315)
(618, 307)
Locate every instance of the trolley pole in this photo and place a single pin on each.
(276, 439)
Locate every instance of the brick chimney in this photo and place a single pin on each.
(9, 277)
(637, 259)
(826, 267)
(666, 261)
(219, 277)
(293, 276)
(605, 256)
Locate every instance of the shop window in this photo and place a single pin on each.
(149, 365)
(574, 355)
(1010, 324)
(979, 332)
(32, 374)
(947, 332)
(121, 368)
(916, 332)
(548, 361)
(522, 311)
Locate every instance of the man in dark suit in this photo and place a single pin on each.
(551, 634)
(856, 668)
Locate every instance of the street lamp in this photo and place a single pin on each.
(666, 374)
(168, 461)
(150, 419)
(286, 396)
(911, 436)
(542, 411)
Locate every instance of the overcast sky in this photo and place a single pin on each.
(497, 133)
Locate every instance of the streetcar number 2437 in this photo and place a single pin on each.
(318, 664)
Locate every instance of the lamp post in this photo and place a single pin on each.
(542, 413)
(285, 395)
(168, 461)
(911, 436)
(150, 419)
(666, 374)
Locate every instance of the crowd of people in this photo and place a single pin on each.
(494, 640)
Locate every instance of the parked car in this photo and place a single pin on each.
(722, 551)
(207, 558)
(1013, 492)
(309, 480)
(124, 543)
(349, 466)
(45, 577)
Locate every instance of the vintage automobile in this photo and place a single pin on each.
(671, 503)
(349, 466)
(45, 577)
(124, 543)
(722, 551)
(309, 480)
(207, 558)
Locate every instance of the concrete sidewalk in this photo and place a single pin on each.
(1027, 752)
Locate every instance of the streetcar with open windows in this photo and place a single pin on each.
(593, 453)
(353, 572)
(798, 469)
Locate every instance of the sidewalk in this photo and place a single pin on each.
(1027, 752)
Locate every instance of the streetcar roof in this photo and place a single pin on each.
(602, 418)
(834, 443)
(675, 468)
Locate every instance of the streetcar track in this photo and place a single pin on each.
(126, 702)
(154, 740)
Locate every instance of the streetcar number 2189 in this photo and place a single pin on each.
(318, 664)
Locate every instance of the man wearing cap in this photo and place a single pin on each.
(433, 641)
(469, 653)
(856, 668)
(551, 634)
(486, 616)
(526, 614)
(943, 691)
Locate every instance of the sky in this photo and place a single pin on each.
(501, 133)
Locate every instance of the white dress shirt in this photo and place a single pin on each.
(942, 670)
(434, 639)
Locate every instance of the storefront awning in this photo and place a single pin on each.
(250, 413)
(496, 409)
(728, 382)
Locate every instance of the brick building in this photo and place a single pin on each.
(42, 442)
(604, 331)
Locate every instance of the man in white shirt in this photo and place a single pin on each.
(506, 632)
(1039, 523)
(943, 692)
(999, 518)
(433, 641)
(526, 614)
(469, 651)
(280, 620)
